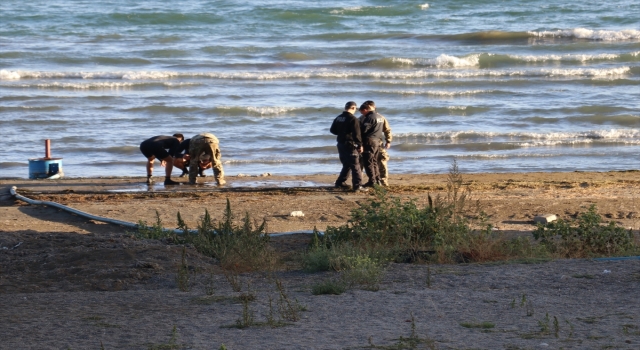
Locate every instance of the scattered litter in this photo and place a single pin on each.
(243, 175)
(16, 246)
(606, 271)
(296, 213)
(265, 174)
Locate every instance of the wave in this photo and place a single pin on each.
(575, 33)
(300, 160)
(438, 93)
(589, 34)
(30, 108)
(490, 60)
(120, 150)
(103, 85)
(471, 135)
(317, 74)
(12, 164)
(442, 61)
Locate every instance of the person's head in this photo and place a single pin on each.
(351, 107)
(370, 104)
(179, 137)
(365, 108)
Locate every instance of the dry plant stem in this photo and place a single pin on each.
(183, 278)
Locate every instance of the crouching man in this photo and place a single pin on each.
(202, 148)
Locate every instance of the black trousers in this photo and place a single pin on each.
(370, 157)
(350, 160)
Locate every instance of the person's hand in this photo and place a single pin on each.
(187, 157)
(388, 145)
(361, 149)
(163, 162)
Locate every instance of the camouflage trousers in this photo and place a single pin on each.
(383, 158)
(201, 144)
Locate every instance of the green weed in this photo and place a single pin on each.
(183, 277)
(329, 287)
(412, 342)
(586, 236)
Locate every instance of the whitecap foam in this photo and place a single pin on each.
(344, 9)
(441, 61)
(583, 33)
(441, 93)
(452, 61)
(332, 74)
(604, 134)
(9, 75)
(566, 58)
(424, 6)
(550, 143)
(79, 86)
(270, 110)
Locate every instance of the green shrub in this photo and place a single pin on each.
(155, 231)
(238, 247)
(328, 287)
(401, 227)
(585, 236)
(363, 271)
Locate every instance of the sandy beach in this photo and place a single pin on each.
(69, 282)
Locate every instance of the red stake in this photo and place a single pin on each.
(47, 149)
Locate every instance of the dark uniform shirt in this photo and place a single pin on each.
(169, 143)
(347, 127)
(371, 126)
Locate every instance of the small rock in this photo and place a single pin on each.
(545, 218)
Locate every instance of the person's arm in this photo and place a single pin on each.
(356, 135)
(334, 127)
(386, 130)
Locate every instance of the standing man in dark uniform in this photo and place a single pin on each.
(347, 128)
(156, 147)
(383, 156)
(372, 136)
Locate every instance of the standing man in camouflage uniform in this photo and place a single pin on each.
(383, 156)
(371, 129)
(349, 141)
(205, 147)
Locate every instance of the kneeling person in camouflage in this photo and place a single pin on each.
(205, 147)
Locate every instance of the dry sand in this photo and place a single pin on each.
(68, 282)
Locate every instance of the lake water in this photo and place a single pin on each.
(507, 86)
